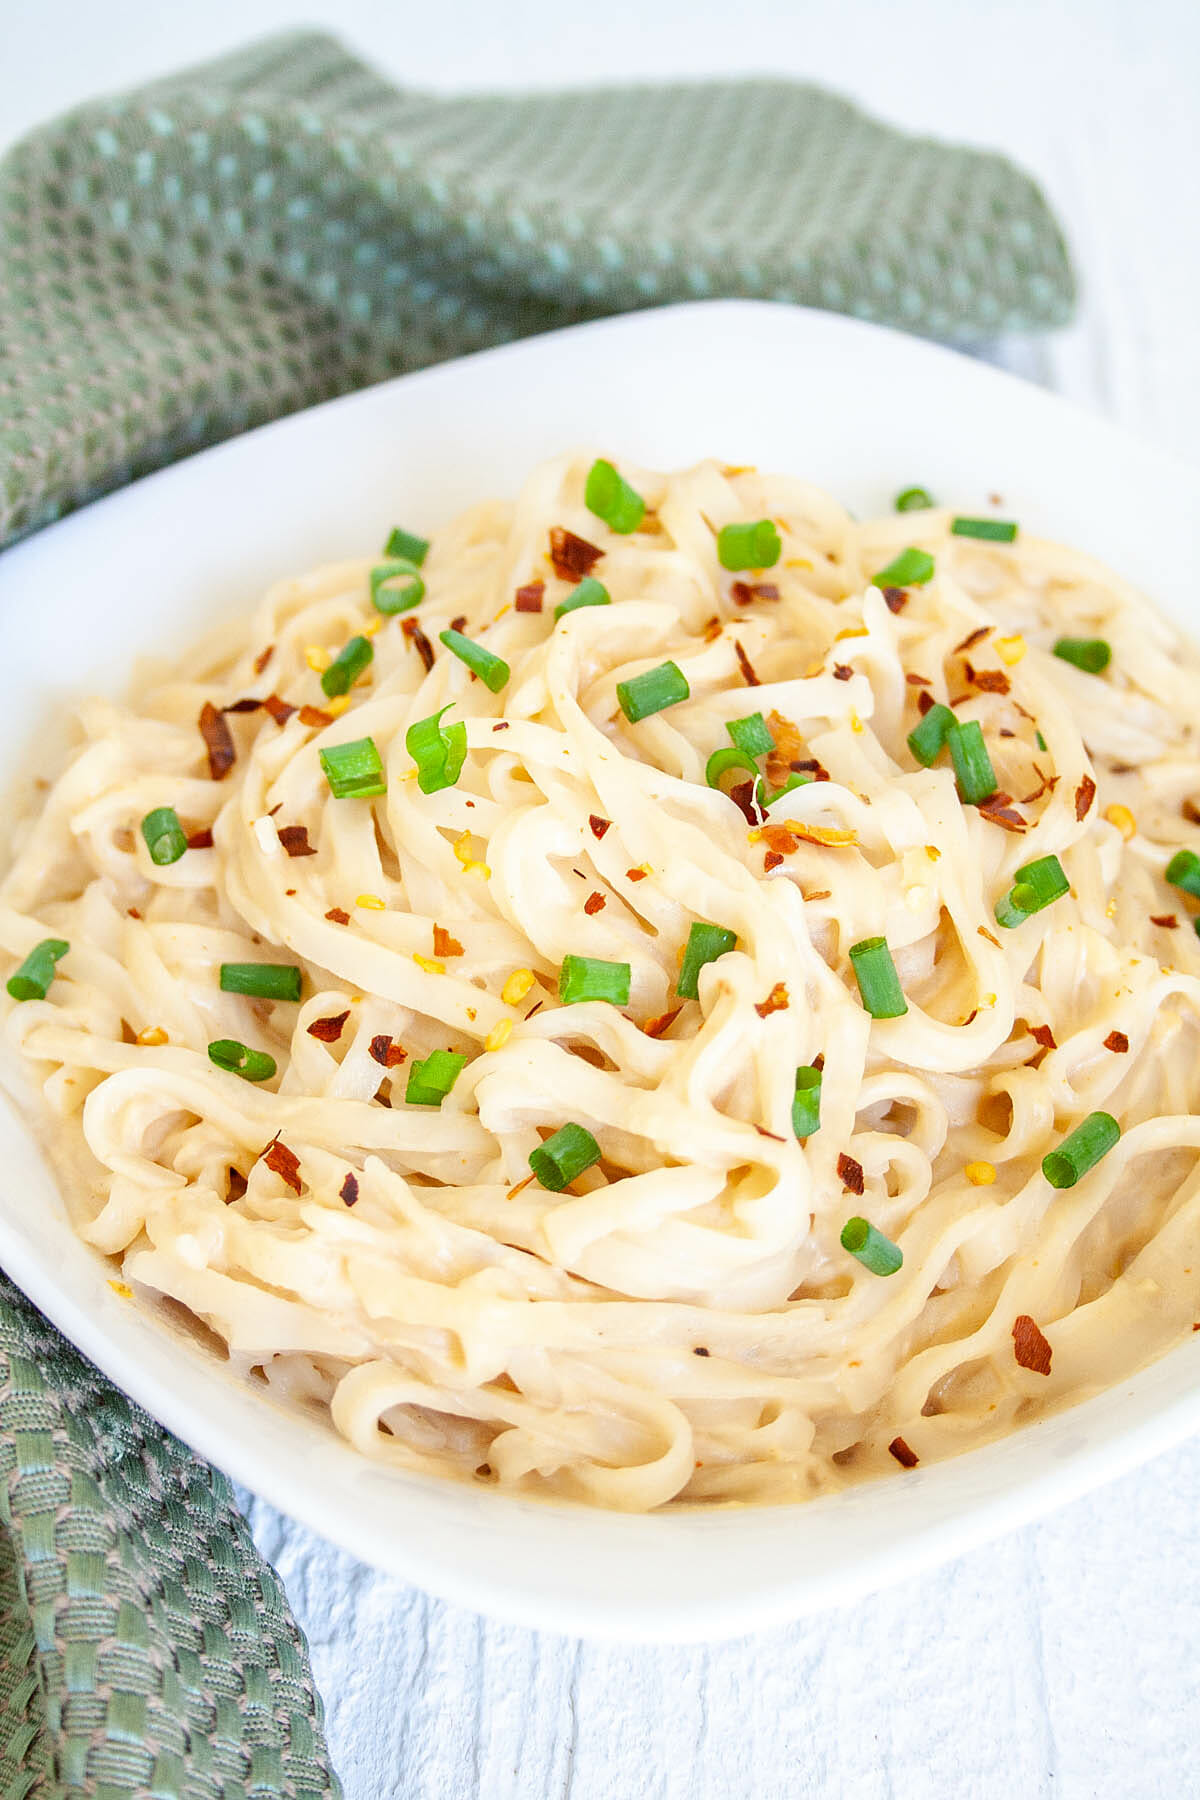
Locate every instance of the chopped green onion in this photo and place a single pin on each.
(768, 796)
(972, 765)
(1040, 741)
(431, 1080)
(353, 770)
(492, 670)
(406, 546)
(438, 750)
(912, 568)
(652, 691)
(1089, 654)
(873, 1250)
(753, 546)
(914, 499)
(751, 734)
(705, 943)
(264, 981)
(1183, 871)
(562, 1157)
(1038, 884)
(1082, 1150)
(996, 531)
(396, 586)
(590, 592)
(347, 666)
(928, 739)
(32, 980)
(721, 761)
(239, 1059)
(878, 982)
(612, 499)
(166, 840)
(591, 978)
(806, 1104)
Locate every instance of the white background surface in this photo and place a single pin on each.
(1065, 1661)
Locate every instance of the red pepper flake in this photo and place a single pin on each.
(263, 658)
(242, 706)
(918, 681)
(279, 709)
(746, 592)
(537, 1007)
(636, 874)
(972, 638)
(215, 732)
(1168, 921)
(235, 1184)
(842, 671)
(573, 557)
(925, 702)
(895, 598)
(202, 839)
(1046, 785)
(593, 904)
(1042, 1034)
(906, 1457)
(985, 933)
(284, 1163)
(771, 861)
(1085, 793)
(384, 1094)
(529, 597)
(998, 809)
(290, 892)
(742, 795)
(315, 715)
(599, 826)
(780, 839)
(337, 916)
(386, 1052)
(457, 623)
(713, 630)
(773, 1135)
(776, 1001)
(349, 1188)
(416, 637)
(746, 666)
(511, 1195)
(989, 681)
(1191, 812)
(131, 912)
(294, 839)
(444, 944)
(328, 1031)
(699, 1349)
(850, 1174)
(1117, 1042)
(655, 1027)
(1031, 1349)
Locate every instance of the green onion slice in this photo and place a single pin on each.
(1038, 884)
(1082, 1150)
(873, 1250)
(1183, 871)
(239, 1059)
(438, 750)
(264, 981)
(562, 1157)
(590, 592)
(753, 546)
(914, 499)
(353, 770)
(652, 691)
(972, 765)
(705, 943)
(721, 761)
(32, 980)
(928, 739)
(591, 978)
(611, 498)
(431, 1080)
(806, 1105)
(751, 734)
(878, 982)
(166, 840)
(396, 586)
(492, 670)
(347, 666)
(1089, 654)
(912, 568)
(768, 796)
(996, 531)
(406, 546)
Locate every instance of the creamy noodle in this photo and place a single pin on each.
(682, 1323)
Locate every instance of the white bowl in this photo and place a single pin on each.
(860, 410)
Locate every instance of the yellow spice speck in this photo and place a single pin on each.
(851, 631)
(152, 1036)
(370, 626)
(472, 1014)
(499, 1035)
(430, 964)
(1110, 911)
(856, 723)
(371, 903)
(1123, 819)
(980, 1174)
(317, 658)
(336, 707)
(121, 1289)
(1010, 650)
(933, 853)
(517, 986)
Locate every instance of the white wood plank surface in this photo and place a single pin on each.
(1064, 1661)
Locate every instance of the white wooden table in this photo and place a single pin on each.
(1065, 1660)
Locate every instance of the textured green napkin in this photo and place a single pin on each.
(247, 238)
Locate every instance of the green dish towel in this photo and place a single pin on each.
(244, 239)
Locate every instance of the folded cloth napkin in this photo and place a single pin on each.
(225, 246)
